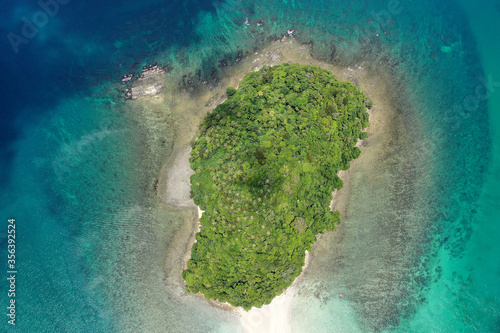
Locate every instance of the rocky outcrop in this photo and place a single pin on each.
(149, 83)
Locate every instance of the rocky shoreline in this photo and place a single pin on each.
(149, 83)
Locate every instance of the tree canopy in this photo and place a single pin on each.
(266, 163)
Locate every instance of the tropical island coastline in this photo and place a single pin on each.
(265, 163)
(190, 109)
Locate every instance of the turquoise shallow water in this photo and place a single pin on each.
(79, 165)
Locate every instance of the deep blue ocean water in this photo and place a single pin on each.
(78, 168)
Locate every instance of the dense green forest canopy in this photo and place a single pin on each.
(266, 163)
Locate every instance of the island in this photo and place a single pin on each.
(265, 165)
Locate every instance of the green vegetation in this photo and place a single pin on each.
(230, 91)
(266, 164)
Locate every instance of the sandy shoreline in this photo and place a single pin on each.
(173, 186)
(274, 317)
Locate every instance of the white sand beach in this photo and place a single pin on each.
(274, 317)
